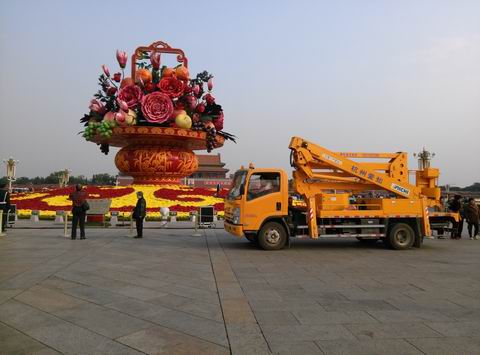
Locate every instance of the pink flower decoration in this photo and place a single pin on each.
(218, 123)
(131, 94)
(196, 90)
(123, 105)
(97, 106)
(157, 107)
(155, 60)
(106, 70)
(122, 58)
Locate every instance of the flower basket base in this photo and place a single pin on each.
(157, 155)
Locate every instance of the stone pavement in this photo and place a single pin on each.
(173, 293)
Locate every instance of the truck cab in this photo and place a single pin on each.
(258, 197)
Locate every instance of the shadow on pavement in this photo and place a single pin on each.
(329, 244)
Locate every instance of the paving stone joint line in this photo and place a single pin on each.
(243, 290)
(218, 292)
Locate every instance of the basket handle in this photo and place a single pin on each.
(158, 47)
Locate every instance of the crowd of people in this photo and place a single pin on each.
(469, 212)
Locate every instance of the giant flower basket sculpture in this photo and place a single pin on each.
(158, 116)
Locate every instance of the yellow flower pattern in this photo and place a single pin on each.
(125, 202)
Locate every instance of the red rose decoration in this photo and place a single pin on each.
(171, 86)
(117, 77)
(157, 107)
(131, 94)
(111, 91)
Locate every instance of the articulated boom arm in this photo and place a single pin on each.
(330, 170)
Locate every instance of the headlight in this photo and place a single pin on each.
(236, 215)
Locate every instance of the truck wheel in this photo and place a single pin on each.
(401, 236)
(272, 236)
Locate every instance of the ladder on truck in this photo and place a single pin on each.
(319, 169)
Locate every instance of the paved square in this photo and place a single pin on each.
(172, 292)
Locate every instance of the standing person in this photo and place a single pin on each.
(457, 207)
(79, 210)
(139, 213)
(4, 205)
(472, 216)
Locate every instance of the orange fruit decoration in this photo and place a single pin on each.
(144, 74)
(182, 73)
(167, 72)
(126, 82)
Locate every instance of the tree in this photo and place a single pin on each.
(80, 179)
(23, 180)
(103, 179)
(52, 178)
(474, 188)
(451, 188)
(38, 180)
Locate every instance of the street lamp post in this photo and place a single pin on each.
(424, 158)
(11, 170)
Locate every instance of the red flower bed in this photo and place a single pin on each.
(37, 203)
(179, 199)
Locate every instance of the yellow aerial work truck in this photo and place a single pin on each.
(341, 195)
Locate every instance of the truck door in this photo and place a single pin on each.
(263, 199)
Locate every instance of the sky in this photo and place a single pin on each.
(366, 76)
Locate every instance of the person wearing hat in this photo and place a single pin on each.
(139, 213)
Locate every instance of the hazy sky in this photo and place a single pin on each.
(348, 75)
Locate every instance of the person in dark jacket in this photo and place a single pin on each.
(457, 207)
(139, 213)
(4, 205)
(472, 216)
(79, 210)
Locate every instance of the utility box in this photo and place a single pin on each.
(206, 217)
(372, 222)
(332, 202)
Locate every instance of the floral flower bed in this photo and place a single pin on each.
(178, 198)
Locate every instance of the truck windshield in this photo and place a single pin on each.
(238, 182)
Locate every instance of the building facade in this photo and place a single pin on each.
(211, 172)
(210, 166)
